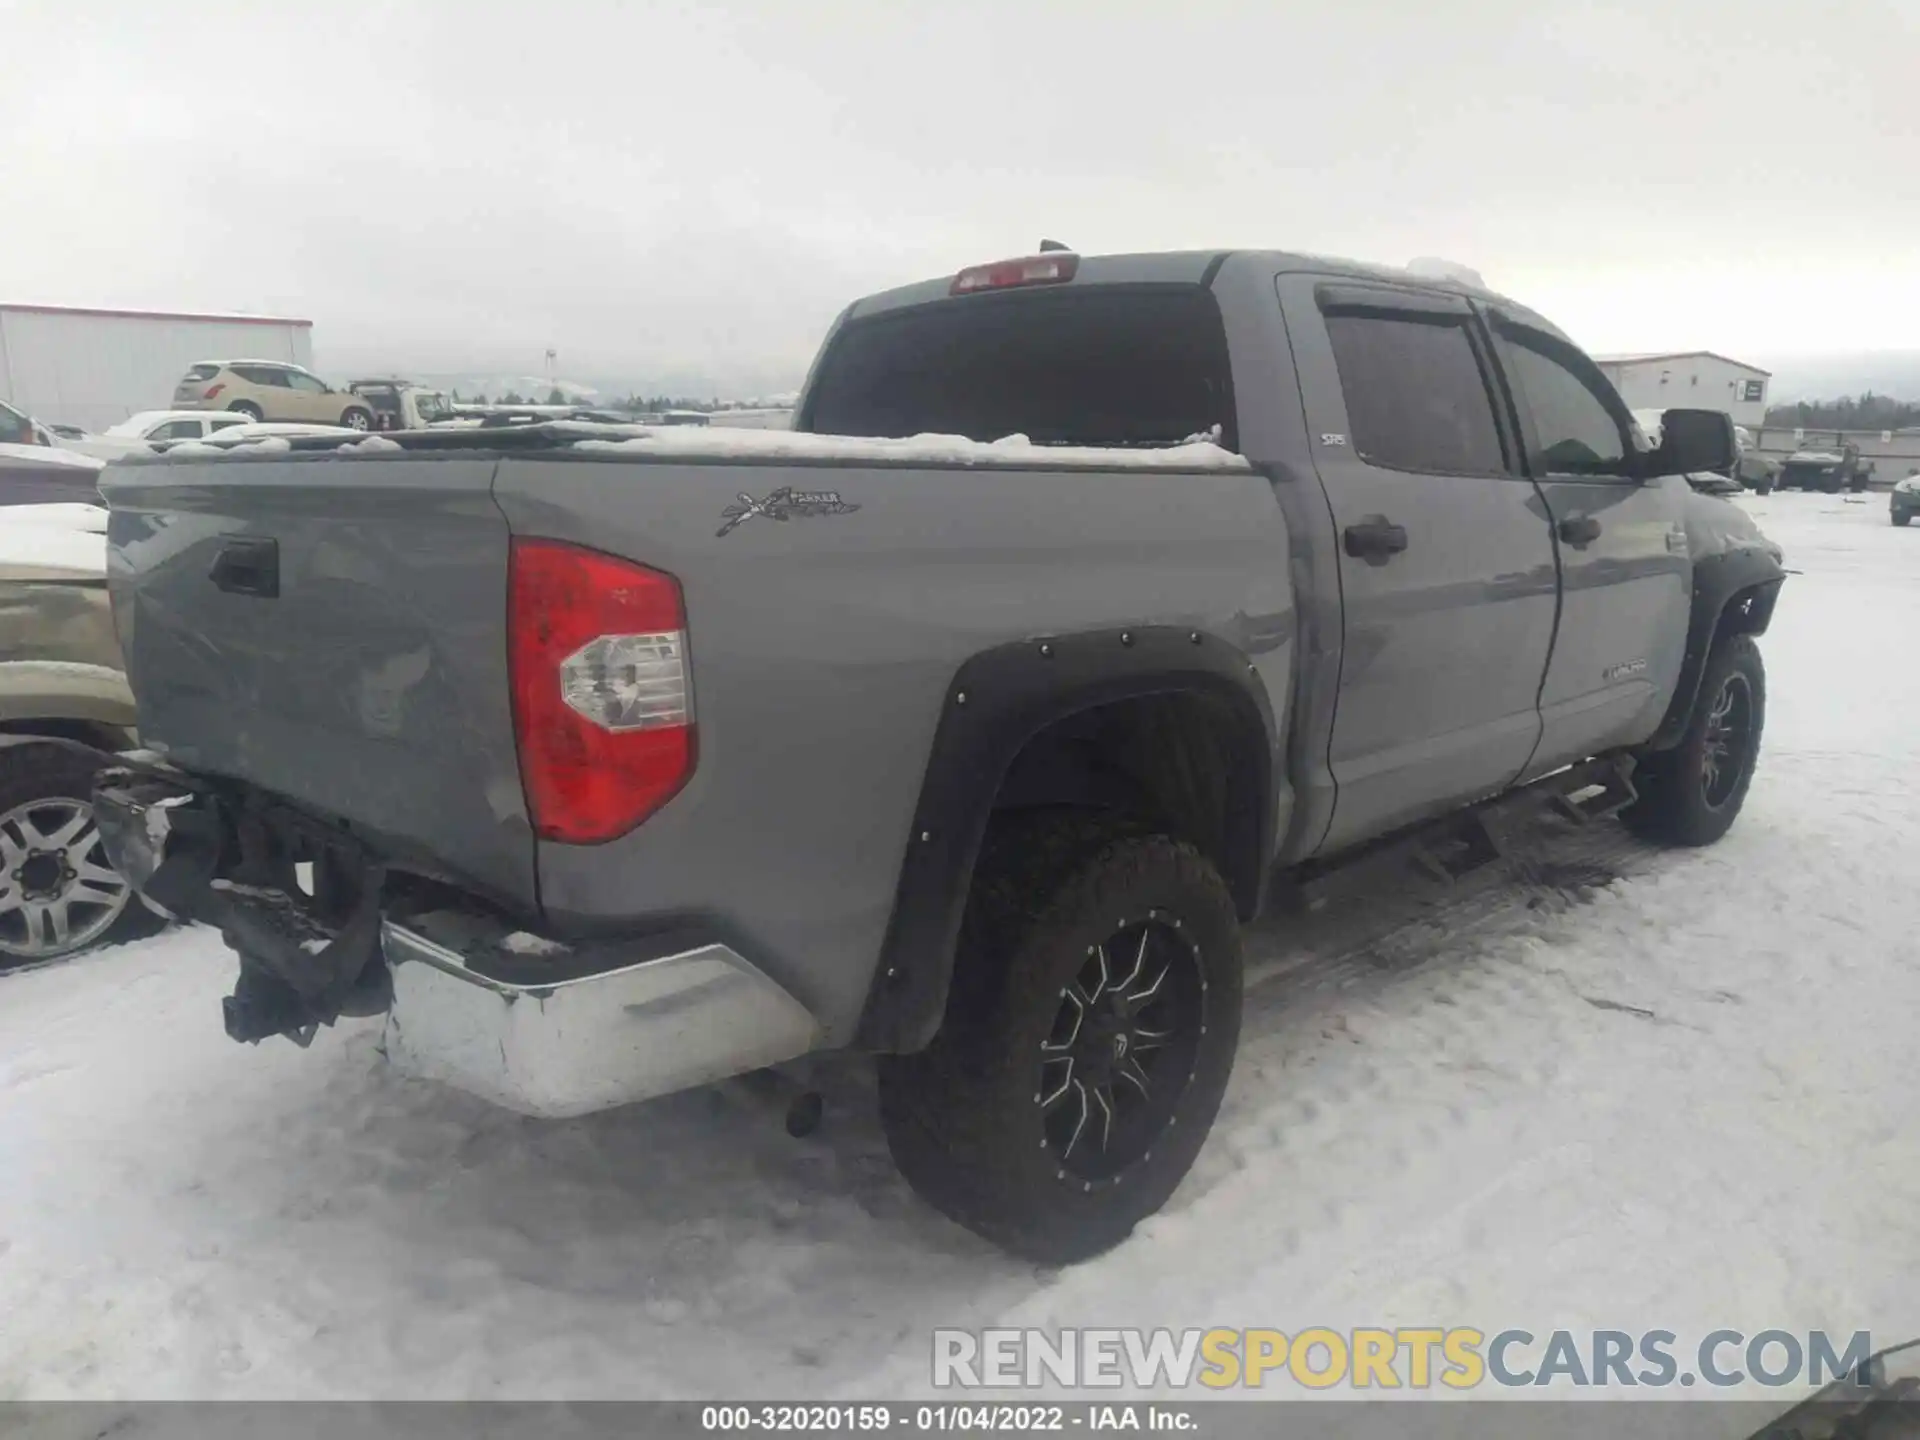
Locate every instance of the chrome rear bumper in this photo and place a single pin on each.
(591, 1043)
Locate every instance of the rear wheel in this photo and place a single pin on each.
(58, 894)
(1087, 1043)
(1691, 794)
(354, 418)
(246, 408)
(1900, 517)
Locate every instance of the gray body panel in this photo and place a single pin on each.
(373, 688)
(1461, 622)
(822, 653)
(1622, 632)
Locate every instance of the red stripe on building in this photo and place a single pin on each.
(154, 315)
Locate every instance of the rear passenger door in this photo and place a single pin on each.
(1448, 587)
(269, 390)
(1626, 577)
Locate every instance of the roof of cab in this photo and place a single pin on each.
(1196, 267)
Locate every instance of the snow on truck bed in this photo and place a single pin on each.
(1015, 450)
(671, 442)
(1624, 1089)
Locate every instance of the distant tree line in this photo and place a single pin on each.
(1868, 412)
(635, 404)
(655, 404)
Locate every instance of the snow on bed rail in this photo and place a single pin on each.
(718, 441)
(265, 445)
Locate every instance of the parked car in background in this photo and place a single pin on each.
(270, 429)
(61, 679)
(270, 390)
(149, 428)
(1755, 471)
(19, 428)
(1828, 469)
(41, 474)
(400, 405)
(1905, 501)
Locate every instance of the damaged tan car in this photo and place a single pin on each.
(61, 679)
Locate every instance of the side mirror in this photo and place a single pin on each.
(1694, 442)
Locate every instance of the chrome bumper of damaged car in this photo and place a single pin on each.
(588, 1043)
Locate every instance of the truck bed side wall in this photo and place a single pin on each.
(823, 651)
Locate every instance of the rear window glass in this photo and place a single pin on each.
(1104, 365)
(203, 372)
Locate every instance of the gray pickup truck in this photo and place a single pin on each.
(1099, 603)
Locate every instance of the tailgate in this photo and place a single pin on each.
(332, 628)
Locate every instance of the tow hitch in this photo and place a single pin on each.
(233, 861)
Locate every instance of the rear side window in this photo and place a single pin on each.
(1575, 432)
(203, 372)
(1416, 398)
(213, 425)
(262, 375)
(176, 430)
(1103, 365)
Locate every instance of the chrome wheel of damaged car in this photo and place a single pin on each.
(58, 894)
(1121, 1051)
(1728, 740)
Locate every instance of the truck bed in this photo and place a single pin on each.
(832, 589)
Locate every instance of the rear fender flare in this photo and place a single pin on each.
(996, 703)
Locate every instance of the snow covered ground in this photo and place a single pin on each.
(1622, 1089)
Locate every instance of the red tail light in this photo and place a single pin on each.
(1054, 268)
(213, 390)
(602, 695)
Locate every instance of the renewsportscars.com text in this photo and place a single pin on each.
(1456, 1358)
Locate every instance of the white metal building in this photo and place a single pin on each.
(1691, 380)
(95, 367)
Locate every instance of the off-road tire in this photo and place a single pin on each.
(1677, 806)
(963, 1118)
(1901, 517)
(46, 772)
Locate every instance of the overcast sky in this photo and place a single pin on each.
(675, 188)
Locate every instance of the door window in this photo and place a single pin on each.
(300, 380)
(15, 429)
(1575, 431)
(176, 430)
(1416, 397)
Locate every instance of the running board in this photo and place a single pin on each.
(1601, 799)
(1451, 847)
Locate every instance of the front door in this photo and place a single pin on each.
(1448, 587)
(1626, 576)
(312, 400)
